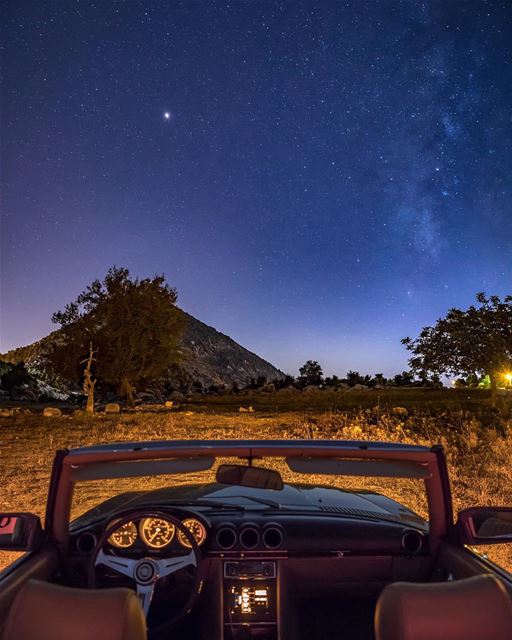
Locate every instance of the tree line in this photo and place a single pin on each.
(122, 332)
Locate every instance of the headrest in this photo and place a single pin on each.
(44, 611)
(478, 608)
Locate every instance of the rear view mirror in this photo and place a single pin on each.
(255, 477)
(486, 525)
(20, 531)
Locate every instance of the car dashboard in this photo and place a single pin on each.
(261, 563)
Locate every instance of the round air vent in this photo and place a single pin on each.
(273, 537)
(226, 537)
(86, 542)
(412, 542)
(249, 537)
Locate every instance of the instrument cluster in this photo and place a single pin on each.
(156, 533)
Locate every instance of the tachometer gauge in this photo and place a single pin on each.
(125, 536)
(196, 528)
(156, 532)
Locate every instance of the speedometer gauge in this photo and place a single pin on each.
(125, 536)
(156, 532)
(196, 528)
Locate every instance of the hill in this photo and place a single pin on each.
(208, 356)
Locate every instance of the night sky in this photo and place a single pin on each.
(318, 179)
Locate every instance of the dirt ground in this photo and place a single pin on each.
(479, 448)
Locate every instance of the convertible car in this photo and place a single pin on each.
(229, 540)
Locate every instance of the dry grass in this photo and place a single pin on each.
(478, 447)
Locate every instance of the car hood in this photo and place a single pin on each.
(292, 497)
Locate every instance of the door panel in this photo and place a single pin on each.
(457, 563)
(41, 565)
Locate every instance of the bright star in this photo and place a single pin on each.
(167, 115)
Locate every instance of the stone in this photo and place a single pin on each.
(145, 396)
(400, 411)
(52, 412)
(358, 387)
(269, 388)
(6, 413)
(342, 386)
(112, 407)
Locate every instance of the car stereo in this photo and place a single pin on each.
(250, 602)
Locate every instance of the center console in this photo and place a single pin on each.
(250, 599)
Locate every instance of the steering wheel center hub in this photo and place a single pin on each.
(145, 571)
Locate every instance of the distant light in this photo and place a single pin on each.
(508, 377)
(167, 115)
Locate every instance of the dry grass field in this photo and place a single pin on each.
(477, 441)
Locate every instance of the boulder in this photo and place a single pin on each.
(112, 407)
(269, 388)
(311, 388)
(400, 411)
(145, 396)
(51, 412)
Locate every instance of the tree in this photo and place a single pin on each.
(404, 379)
(354, 377)
(474, 342)
(311, 374)
(379, 379)
(133, 324)
(332, 381)
(15, 378)
(89, 383)
(283, 383)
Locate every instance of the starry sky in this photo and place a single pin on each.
(317, 179)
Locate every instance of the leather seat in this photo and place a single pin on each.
(44, 611)
(478, 608)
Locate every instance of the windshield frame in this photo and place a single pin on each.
(68, 461)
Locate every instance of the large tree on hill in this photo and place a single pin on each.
(132, 325)
(477, 341)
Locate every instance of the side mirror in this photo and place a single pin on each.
(20, 531)
(255, 477)
(485, 525)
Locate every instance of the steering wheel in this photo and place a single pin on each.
(148, 571)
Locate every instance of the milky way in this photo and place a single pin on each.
(331, 177)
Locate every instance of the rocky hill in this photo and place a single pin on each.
(208, 356)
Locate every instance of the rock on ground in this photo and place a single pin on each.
(51, 412)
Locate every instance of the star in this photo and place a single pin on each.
(167, 115)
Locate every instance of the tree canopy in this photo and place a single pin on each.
(477, 341)
(133, 325)
(311, 374)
